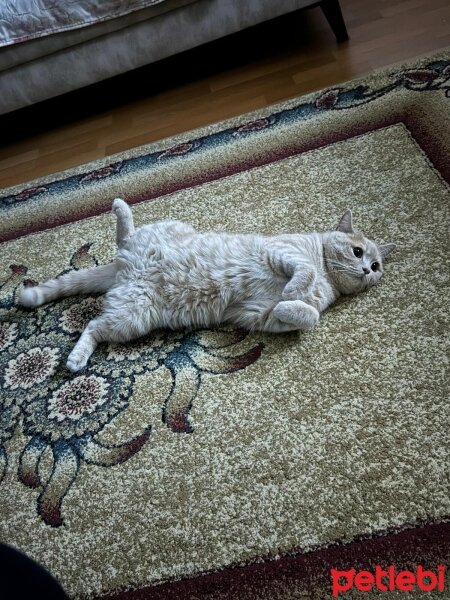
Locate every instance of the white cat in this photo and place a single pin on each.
(167, 275)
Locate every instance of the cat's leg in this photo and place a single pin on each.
(108, 327)
(300, 284)
(84, 281)
(90, 338)
(125, 224)
(126, 316)
(257, 316)
(296, 313)
(300, 273)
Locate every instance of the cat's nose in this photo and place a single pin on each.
(366, 270)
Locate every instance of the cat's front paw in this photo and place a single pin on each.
(301, 315)
(291, 292)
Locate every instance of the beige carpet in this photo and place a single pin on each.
(113, 480)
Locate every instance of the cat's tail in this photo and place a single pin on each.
(125, 224)
(84, 281)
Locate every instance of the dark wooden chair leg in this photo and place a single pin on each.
(333, 14)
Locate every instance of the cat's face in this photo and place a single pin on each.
(354, 262)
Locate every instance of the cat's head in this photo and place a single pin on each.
(354, 262)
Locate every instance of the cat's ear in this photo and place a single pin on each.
(386, 249)
(345, 224)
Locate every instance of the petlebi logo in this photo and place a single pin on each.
(388, 580)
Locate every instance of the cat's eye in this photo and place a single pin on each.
(357, 252)
(375, 266)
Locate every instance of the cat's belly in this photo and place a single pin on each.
(174, 295)
(195, 284)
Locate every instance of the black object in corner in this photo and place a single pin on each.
(21, 577)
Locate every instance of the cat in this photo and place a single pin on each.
(168, 275)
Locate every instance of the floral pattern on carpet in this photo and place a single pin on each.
(64, 412)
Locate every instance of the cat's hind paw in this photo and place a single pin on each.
(31, 297)
(76, 363)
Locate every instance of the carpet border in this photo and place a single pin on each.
(293, 562)
(231, 122)
(417, 76)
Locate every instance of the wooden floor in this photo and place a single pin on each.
(285, 58)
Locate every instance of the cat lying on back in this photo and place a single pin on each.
(167, 275)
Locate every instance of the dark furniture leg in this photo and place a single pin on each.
(332, 12)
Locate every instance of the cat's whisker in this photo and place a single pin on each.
(351, 271)
(339, 267)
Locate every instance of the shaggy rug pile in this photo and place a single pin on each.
(260, 462)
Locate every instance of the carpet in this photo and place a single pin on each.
(260, 462)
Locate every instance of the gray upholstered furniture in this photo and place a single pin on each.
(50, 47)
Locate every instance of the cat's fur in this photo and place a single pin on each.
(167, 275)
